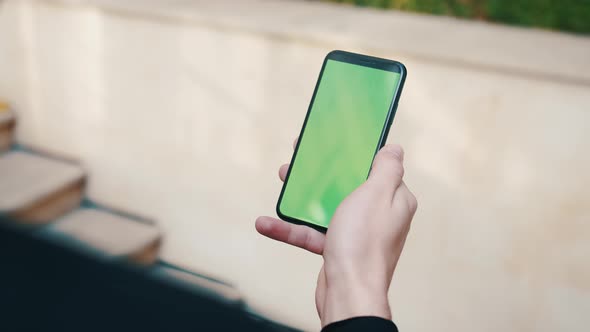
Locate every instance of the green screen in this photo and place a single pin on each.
(338, 143)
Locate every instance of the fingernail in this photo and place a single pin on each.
(261, 225)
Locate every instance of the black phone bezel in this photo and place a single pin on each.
(362, 60)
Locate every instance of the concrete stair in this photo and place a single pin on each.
(36, 190)
(44, 193)
(114, 235)
(7, 123)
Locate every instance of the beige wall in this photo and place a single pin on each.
(184, 114)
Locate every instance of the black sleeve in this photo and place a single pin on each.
(373, 324)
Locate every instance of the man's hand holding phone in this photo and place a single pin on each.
(363, 244)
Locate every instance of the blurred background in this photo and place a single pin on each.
(153, 130)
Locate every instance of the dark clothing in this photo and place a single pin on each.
(45, 285)
(372, 324)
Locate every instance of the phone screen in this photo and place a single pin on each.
(343, 130)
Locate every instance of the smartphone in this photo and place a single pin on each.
(347, 122)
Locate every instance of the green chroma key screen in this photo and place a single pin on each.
(341, 135)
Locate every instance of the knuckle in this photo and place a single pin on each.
(392, 162)
(306, 240)
(398, 170)
(412, 203)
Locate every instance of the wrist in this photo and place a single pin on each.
(351, 295)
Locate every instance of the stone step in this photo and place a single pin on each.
(36, 190)
(7, 121)
(215, 289)
(108, 233)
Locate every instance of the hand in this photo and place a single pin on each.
(363, 244)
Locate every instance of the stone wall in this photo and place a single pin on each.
(183, 111)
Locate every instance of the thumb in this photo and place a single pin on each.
(388, 169)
